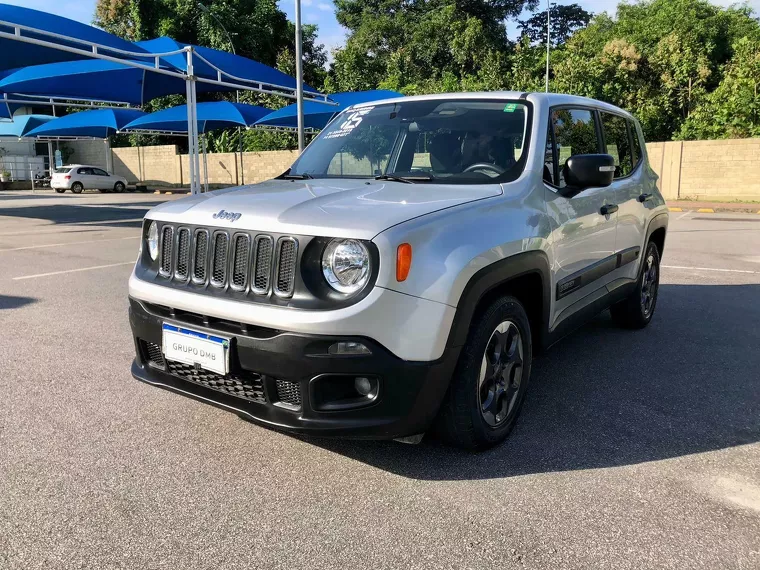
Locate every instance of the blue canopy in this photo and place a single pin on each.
(100, 80)
(211, 116)
(18, 54)
(95, 80)
(235, 65)
(317, 115)
(100, 123)
(22, 124)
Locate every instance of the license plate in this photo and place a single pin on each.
(196, 348)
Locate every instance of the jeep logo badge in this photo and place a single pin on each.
(224, 215)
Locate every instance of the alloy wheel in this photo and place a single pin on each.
(649, 284)
(500, 374)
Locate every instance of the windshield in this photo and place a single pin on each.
(465, 142)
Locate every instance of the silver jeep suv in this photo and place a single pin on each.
(402, 274)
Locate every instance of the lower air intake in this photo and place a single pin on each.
(289, 393)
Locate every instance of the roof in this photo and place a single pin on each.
(99, 123)
(552, 99)
(32, 54)
(212, 115)
(22, 125)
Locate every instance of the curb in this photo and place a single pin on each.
(713, 210)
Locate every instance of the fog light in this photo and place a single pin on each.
(363, 385)
(348, 348)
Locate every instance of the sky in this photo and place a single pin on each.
(320, 12)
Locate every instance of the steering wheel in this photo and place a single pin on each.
(498, 170)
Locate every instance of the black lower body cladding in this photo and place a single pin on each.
(286, 380)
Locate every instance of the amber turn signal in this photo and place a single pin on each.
(403, 261)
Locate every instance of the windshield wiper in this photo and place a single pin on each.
(406, 179)
(303, 176)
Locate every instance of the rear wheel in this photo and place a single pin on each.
(490, 380)
(60, 190)
(77, 188)
(635, 311)
(119, 187)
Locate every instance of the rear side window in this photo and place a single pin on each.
(618, 144)
(84, 171)
(637, 154)
(575, 132)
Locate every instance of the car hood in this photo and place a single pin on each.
(339, 208)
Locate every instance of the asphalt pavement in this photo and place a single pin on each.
(634, 449)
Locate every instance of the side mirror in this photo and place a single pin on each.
(588, 171)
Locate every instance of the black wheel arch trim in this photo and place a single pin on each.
(657, 222)
(493, 276)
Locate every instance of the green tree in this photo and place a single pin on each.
(565, 19)
(422, 45)
(733, 109)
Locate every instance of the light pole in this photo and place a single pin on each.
(548, 39)
(299, 77)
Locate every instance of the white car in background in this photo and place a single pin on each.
(77, 177)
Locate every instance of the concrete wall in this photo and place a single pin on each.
(706, 170)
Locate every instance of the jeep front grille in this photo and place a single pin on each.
(219, 260)
(200, 256)
(240, 261)
(251, 263)
(287, 249)
(183, 254)
(167, 245)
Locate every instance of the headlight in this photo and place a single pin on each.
(153, 241)
(346, 265)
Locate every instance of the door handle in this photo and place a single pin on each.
(608, 209)
(644, 197)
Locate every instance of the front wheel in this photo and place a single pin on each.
(637, 310)
(491, 378)
(119, 187)
(77, 188)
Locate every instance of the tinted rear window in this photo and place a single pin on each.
(62, 170)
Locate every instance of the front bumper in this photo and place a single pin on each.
(281, 372)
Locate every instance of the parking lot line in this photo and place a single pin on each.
(72, 270)
(69, 243)
(710, 269)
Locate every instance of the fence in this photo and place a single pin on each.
(707, 170)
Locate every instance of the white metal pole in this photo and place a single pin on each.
(299, 77)
(192, 128)
(51, 159)
(191, 175)
(548, 39)
(205, 163)
(196, 155)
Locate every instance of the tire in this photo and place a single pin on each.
(636, 310)
(119, 187)
(77, 188)
(491, 378)
(60, 190)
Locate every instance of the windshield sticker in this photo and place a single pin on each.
(353, 121)
(511, 108)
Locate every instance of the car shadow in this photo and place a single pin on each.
(606, 397)
(71, 214)
(12, 302)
